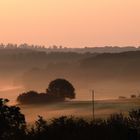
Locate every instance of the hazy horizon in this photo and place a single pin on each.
(72, 23)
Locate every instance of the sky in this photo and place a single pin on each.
(70, 23)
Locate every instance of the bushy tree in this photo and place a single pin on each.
(27, 97)
(58, 90)
(134, 119)
(61, 88)
(12, 122)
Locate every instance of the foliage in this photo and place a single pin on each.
(12, 122)
(61, 88)
(58, 90)
(115, 127)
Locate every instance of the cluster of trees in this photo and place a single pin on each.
(21, 46)
(65, 49)
(116, 127)
(58, 90)
(12, 122)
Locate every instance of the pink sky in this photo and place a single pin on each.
(71, 23)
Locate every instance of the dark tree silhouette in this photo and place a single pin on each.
(58, 90)
(67, 128)
(12, 122)
(27, 97)
(61, 88)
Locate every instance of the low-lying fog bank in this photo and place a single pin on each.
(103, 108)
(81, 106)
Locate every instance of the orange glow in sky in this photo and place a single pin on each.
(71, 23)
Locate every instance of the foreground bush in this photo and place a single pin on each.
(12, 122)
(115, 127)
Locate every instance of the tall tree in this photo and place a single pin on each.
(61, 88)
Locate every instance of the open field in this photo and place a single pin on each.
(103, 108)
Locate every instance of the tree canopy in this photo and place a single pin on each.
(12, 121)
(61, 88)
(58, 90)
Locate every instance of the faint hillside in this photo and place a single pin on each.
(119, 66)
(108, 73)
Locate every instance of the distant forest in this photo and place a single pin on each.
(34, 68)
(56, 48)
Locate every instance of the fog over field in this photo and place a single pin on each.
(69, 69)
(110, 74)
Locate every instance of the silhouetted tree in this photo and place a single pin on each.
(12, 122)
(134, 118)
(68, 128)
(27, 97)
(57, 91)
(61, 88)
